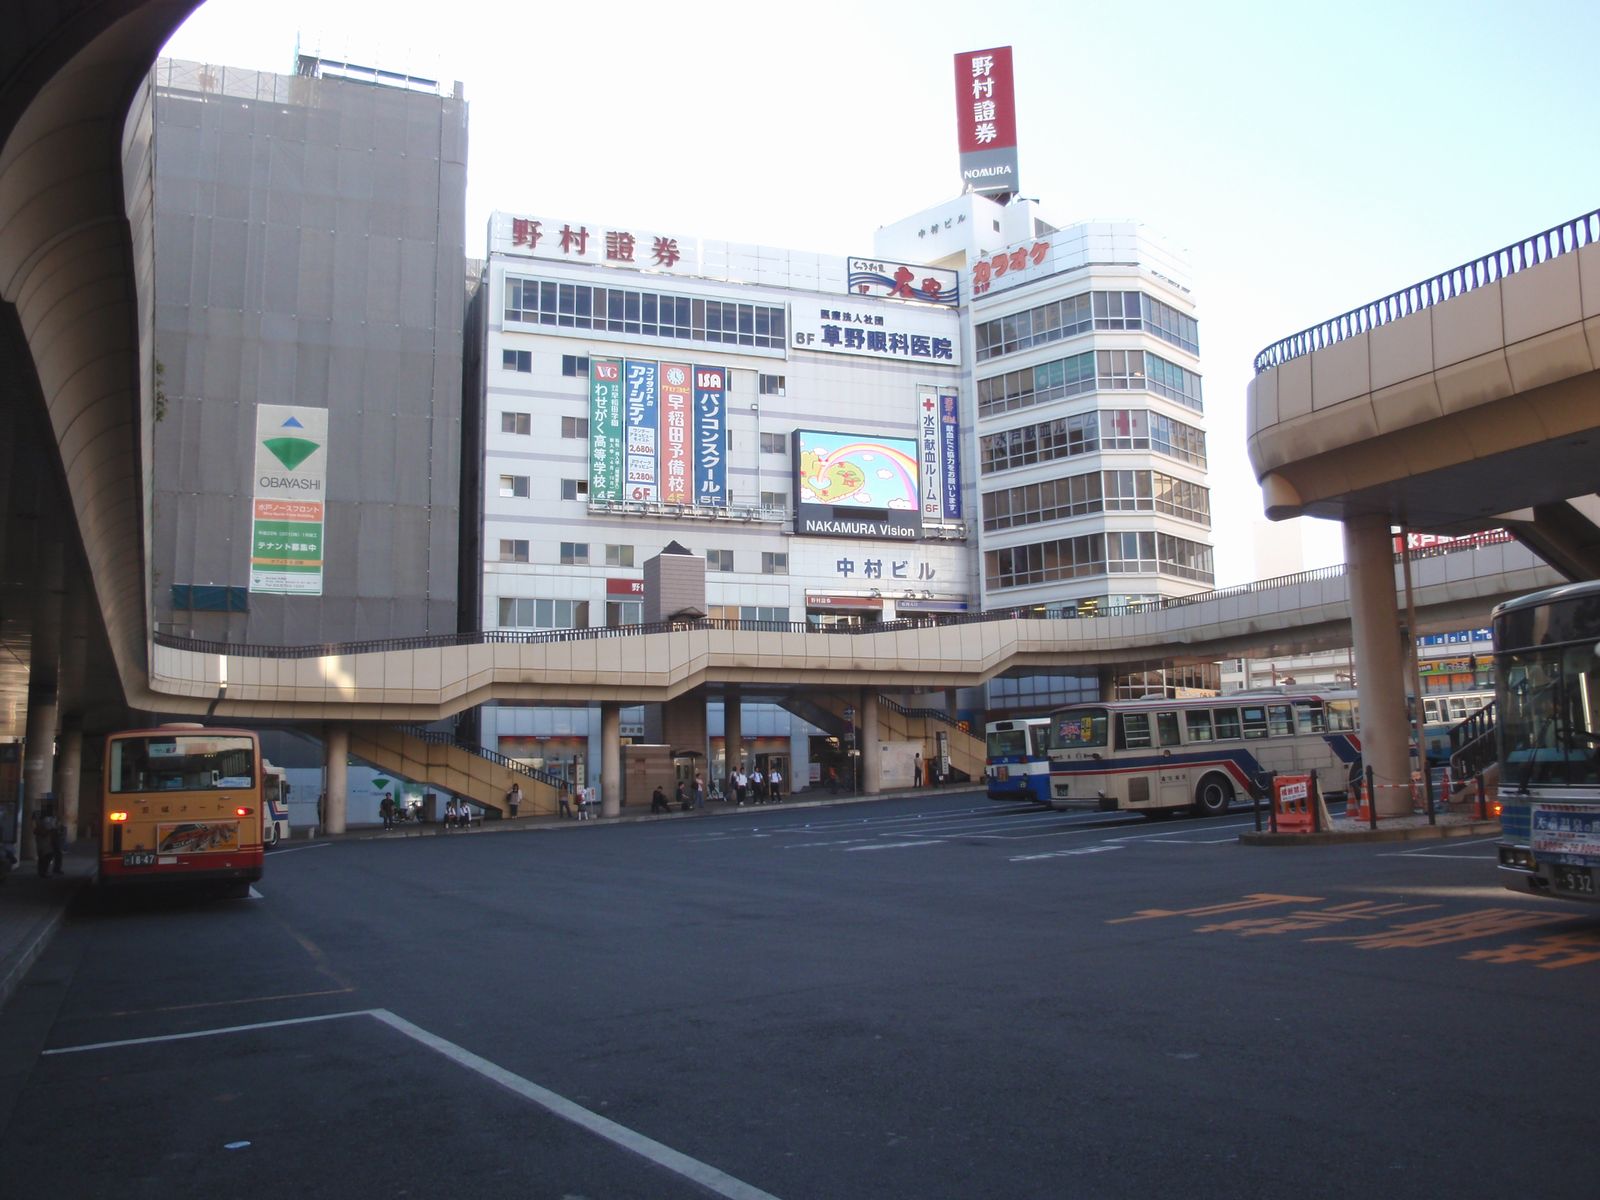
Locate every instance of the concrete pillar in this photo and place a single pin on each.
(951, 708)
(732, 730)
(69, 774)
(336, 804)
(38, 760)
(1106, 678)
(1380, 665)
(867, 720)
(610, 758)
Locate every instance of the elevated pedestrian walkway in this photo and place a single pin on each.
(1466, 401)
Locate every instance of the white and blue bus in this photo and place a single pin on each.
(1547, 704)
(1018, 759)
(1198, 754)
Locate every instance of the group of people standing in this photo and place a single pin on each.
(756, 787)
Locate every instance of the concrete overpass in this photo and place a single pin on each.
(1466, 401)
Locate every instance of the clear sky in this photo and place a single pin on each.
(1306, 159)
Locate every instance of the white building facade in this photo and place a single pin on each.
(986, 412)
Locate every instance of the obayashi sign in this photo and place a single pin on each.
(290, 483)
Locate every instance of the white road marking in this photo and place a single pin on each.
(203, 1033)
(297, 849)
(1064, 853)
(718, 1182)
(1173, 833)
(895, 845)
(255, 895)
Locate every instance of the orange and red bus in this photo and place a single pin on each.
(182, 804)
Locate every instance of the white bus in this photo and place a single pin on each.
(1451, 708)
(1198, 754)
(1018, 762)
(274, 804)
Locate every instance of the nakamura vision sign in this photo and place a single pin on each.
(986, 122)
(849, 485)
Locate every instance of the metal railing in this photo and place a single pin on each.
(435, 738)
(927, 714)
(1519, 256)
(542, 636)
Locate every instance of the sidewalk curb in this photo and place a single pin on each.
(1420, 833)
(33, 944)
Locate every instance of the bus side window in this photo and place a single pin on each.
(1254, 719)
(1133, 730)
(1199, 722)
(1308, 718)
(1167, 729)
(1341, 716)
(1280, 720)
(1227, 723)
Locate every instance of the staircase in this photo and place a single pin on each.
(439, 761)
(1472, 750)
(897, 723)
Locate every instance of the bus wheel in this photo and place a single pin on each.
(272, 836)
(1213, 796)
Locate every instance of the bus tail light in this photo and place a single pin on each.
(1495, 809)
(118, 817)
(242, 811)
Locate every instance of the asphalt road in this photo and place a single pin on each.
(923, 997)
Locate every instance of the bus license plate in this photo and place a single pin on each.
(139, 858)
(1579, 880)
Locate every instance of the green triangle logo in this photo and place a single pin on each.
(382, 783)
(291, 451)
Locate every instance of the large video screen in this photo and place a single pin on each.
(850, 485)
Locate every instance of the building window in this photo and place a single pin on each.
(574, 489)
(521, 613)
(772, 385)
(764, 614)
(1079, 314)
(513, 550)
(515, 422)
(575, 366)
(517, 360)
(773, 563)
(776, 501)
(574, 554)
(650, 314)
(513, 485)
(1094, 370)
(774, 443)
(619, 556)
(719, 560)
(575, 427)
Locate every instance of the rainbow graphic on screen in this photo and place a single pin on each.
(848, 471)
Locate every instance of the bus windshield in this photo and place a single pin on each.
(1080, 729)
(165, 762)
(1008, 743)
(1550, 715)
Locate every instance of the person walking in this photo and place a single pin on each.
(775, 784)
(47, 841)
(566, 804)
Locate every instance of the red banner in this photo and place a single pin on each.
(986, 113)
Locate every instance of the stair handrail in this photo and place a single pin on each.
(932, 714)
(1472, 742)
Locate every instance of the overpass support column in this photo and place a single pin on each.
(610, 758)
(871, 774)
(69, 775)
(1380, 662)
(732, 731)
(38, 761)
(336, 763)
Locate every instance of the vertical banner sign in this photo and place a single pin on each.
(677, 433)
(641, 412)
(931, 494)
(950, 456)
(291, 468)
(710, 445)
(986, 121)
(605, 429)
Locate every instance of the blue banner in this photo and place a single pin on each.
(641, 418)
(710, 437)
(950, 464)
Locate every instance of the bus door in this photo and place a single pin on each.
(1172, 779)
